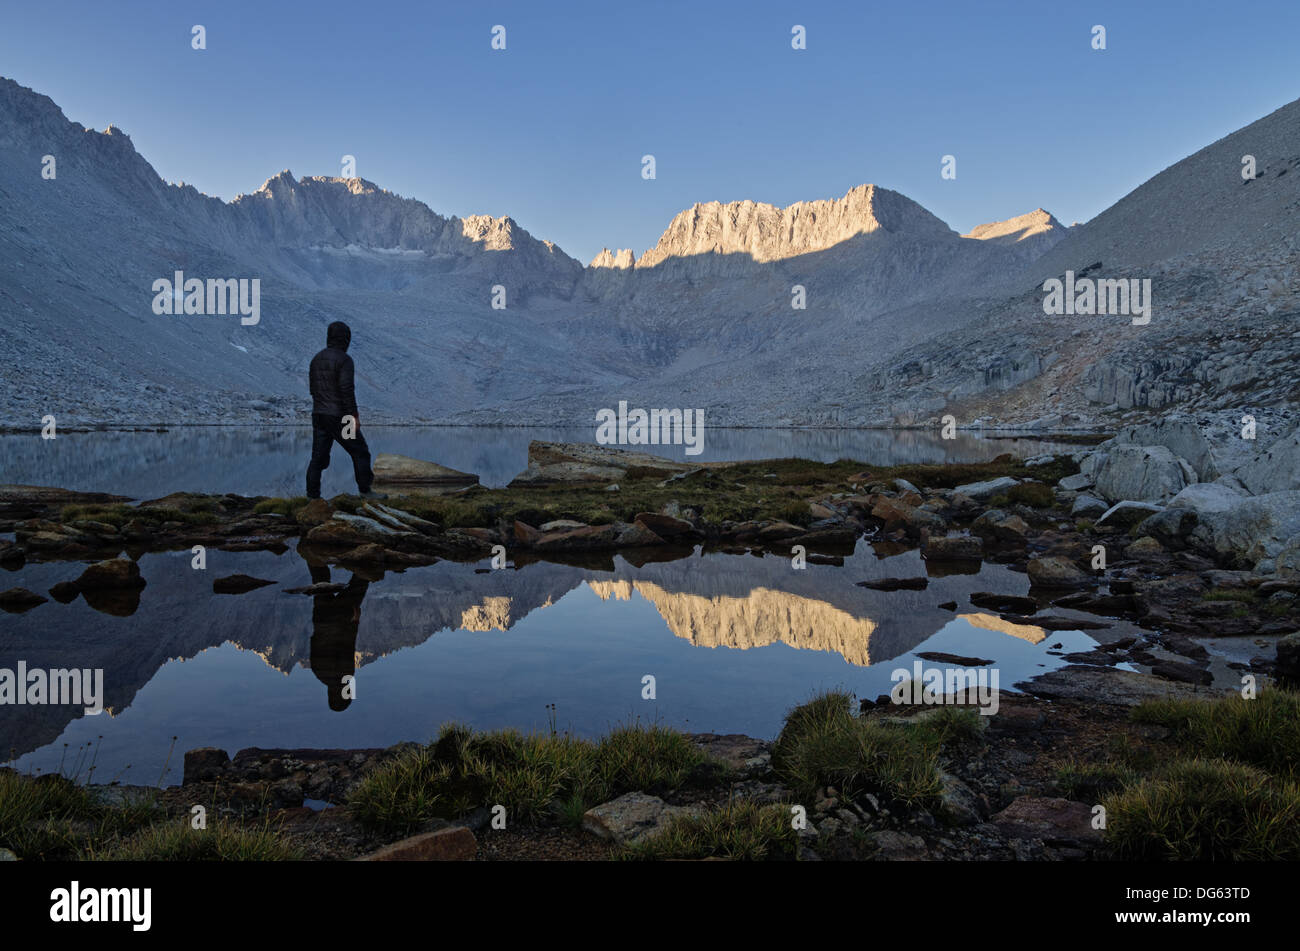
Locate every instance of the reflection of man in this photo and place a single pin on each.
(335, 618)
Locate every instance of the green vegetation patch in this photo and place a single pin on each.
(823, 744)
(536, 776)
(52, 818)
(1263, 732)
(1205, 810)
(740, 830)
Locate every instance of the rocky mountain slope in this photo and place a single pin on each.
(902, 319)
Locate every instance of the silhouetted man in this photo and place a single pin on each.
(333, 397)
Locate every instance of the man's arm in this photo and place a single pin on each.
(347, 390)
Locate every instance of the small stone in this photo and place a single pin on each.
(450, 844)
(114, 573)
(631, 816)
(204, 763)
(1054, 572)
(17, 600)
(316, 512)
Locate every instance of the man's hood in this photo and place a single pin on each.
(338, 335)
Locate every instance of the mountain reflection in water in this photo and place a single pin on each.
(732, 640)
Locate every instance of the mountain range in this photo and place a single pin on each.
(903, 319)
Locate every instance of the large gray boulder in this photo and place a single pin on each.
(1170, 528)
(1256, 528)
(1088, 506)
(1207, 497)
(1139, 473)
(1288, 559)
(1275, 469)
(1182, 437)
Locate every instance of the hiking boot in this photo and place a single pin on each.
(372, 494)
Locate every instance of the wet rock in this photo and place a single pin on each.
(953, 548)
(455, 843)
(65, 592)
(1185, 646)
(525, 534)
(561, 525)
(238, 584)
(957, 660)
(778, 531)
(1053, 572)
(637, 535)
(114, 573)
(203, 764)
(18, 600)
(1093, 658)
(1182, 673)
(314, 513)
(1004, 602)
(896, 584)
(1111, 686)
(352, 530)
(827, 537)
(667, 527)
(1000, 526)
(896, 514)
(632, 816)
(587, 538)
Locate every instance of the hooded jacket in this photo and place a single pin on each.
(331, 374)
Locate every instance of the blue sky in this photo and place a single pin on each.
(551, 130)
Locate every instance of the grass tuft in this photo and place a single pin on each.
(1205, 810)
(742, 831)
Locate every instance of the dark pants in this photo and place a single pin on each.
(325, 431)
